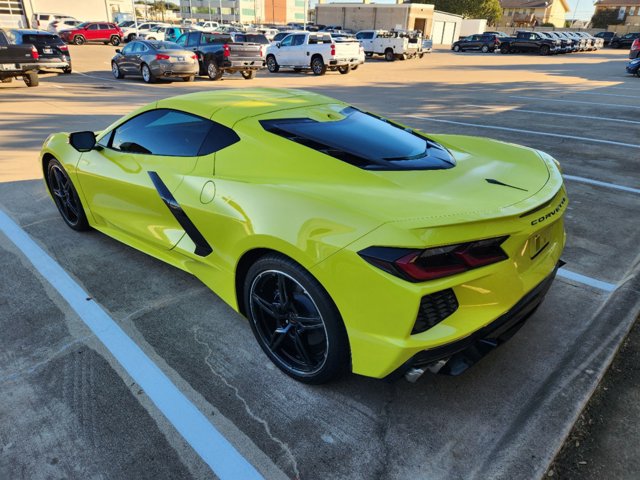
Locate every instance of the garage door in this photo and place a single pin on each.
(443, 33)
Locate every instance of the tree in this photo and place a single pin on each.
(489, 9)
(605, 17)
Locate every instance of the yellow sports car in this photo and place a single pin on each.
(349, 241)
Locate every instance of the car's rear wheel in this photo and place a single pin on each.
(79, 40)
(504, 49)
(31, 79)
(389, 56)
(272, 64)
(67, 70)
(147, 74)
(249, 74)
(295, 321)
(65, 196)
(115, 40)
(485, 49)
(213, 71)
(131, 37)
(544, 50)
(115, 70)
(317, 66)
(344, 70)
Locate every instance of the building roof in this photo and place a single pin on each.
(533, 3)
(617, 3)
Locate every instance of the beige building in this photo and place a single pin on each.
(628, 10)
(369, 16)
(531, 13)
(245, 11)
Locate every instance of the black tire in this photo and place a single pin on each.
(544, 50)
(190, 78)
(278, 294)
(389, 56)
(151, 38)
(213, 71)
(79, 40)
(485, 49)
(249, 74)
(147, 74)
(420, 55)
(368, 54)
(115, 40)
(354, 67)
(318, 66)
(272, 64)
(344, 70)
(31, 79)
(67, 70)
(131, 37)
(504, 49)
(638, 73)
(115, 70)
(456, 48)
(615, 45)
(65, 196)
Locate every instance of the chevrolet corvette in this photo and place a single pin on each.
(349, 241)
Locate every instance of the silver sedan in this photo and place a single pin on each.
(154, 60)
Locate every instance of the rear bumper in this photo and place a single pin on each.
(175, 70)
(54, 63)
(239, 65)
(18, 68)
(456, 357)
(341, 62)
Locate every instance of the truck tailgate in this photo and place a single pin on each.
(345, 49)
(246, 52)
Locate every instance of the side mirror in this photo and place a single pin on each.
(278, 44)
(83, 141)
(118, 50)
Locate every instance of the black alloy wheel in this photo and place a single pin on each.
(272, 64)
(31, 79)
(344, 70)
(79, 40)
(544, 50)
(294, 320)
(249, 74)
(65, 196)
(317, 66)
(213, 71)
(115, 40)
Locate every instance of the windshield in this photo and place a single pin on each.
(83, 24)
(365, 141)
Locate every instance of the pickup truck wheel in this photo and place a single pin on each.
(344, 70)
(485, 49)
(368, 54)
(147, 74)
(116, 70)
(317, 66)
(31, 79)
(79, 40)
(544, 50)
(7, 80)
(66, 70)
(249, 74)
(420, 55)
(504, 49)
(354, 67)
(213, 71)
(389, 55)
(272, 64)
(115, 40)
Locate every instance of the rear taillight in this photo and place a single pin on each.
(162, 56)
(226, 50)
(431, 263)
(636, 44)
(194, 57)
(34, 53)
(64, 48)
(261, 50)
(333, 49)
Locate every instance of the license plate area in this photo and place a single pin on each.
(47, 50)
(539, 241)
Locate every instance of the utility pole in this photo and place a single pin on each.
(575, 12)
(135, 17)
(220, 12)
(209, 2)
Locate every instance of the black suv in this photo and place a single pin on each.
(606, 36)
(53, 52)
(625, 40)
(483, 42)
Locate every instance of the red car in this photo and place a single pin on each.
(93, 32)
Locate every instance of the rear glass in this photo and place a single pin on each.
(165, 46)
(42, 39)
(365, 141)
(241, 37)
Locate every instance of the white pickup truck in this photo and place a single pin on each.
(393, 45)
(316, 51)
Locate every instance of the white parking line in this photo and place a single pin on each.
(572, 115)
(606, 94)
(574, 101)
(592, 282)
(530, 132)
(225, 461)
(615, 186)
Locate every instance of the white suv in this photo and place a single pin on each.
(41, 21)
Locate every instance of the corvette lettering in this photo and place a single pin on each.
(551, 213)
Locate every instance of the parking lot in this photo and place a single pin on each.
(71, 408)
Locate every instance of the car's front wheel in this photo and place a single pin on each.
(295, 321)
(65, 196)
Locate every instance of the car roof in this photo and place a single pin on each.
(230, 106)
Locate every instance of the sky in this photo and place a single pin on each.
(584, 7)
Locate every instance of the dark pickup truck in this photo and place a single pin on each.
(18, 61)
(530, 42)
(219, 54)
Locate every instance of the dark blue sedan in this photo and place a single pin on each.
(633, 67)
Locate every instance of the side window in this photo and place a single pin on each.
(297, 40)
(171, 133)
(182, 41)
(3, 40)
(287, 41)
(368, 36)
(44, 17)
(193, 39)
(93, 26)
(128, 49)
